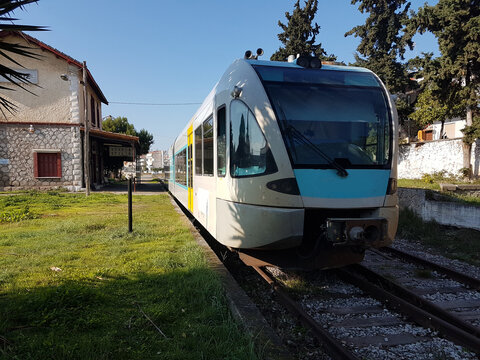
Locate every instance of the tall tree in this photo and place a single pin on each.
(456, 24)
(299, 34)
(146, 140)
(7, 7)
(383, 41)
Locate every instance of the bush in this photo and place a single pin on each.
(427, 178)
(438, 176)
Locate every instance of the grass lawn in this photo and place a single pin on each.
(418, 184)
(96, 306)
(454, 243)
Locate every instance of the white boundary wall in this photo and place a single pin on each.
(420, 158)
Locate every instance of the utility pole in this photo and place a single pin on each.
(86, 140)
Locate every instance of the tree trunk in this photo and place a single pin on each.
(442, 127)
(467, 148)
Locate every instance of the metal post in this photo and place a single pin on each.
(86, 142)
(130, 205)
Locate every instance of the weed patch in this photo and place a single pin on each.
(14, 215)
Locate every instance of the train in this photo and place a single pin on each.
(292, 163)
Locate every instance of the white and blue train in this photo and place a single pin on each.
(293, 163)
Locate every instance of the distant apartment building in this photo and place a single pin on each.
(154, 162)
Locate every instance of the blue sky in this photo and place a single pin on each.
(175, 51)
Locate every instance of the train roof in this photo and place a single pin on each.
(294, 65)
(206, 105)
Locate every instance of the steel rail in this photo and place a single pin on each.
(418, 309)
(333, 346)
(455, 275)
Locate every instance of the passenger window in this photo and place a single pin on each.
(221, 141)
(180, 168)
(198, 151)
(208, 146)
(249, 151)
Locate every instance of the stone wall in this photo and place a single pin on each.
(443, 212)
(462, 189)
(17, 145)
(416, 159)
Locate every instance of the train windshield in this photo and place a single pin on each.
(330, 118)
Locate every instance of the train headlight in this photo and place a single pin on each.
(392, 186)
(286, 186)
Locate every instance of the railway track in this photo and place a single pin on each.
(334, 347)
(356, 313)
(376, 318)
(449, 272)
(448, 295)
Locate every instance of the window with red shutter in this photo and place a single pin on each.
(48, 164)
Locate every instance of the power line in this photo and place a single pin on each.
(154, 104)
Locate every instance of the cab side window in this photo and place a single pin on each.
(221, 141)
(249, 151)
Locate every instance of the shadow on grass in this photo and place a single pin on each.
(153, 187)
(106, 318)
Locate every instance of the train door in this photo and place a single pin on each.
(190, 167)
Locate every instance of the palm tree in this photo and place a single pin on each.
(7, 7)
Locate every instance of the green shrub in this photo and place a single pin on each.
(427, 178)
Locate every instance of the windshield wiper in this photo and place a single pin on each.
(293, 132)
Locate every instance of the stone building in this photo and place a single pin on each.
(42, 142)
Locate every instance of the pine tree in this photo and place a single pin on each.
(456, 78)
(382, 42)
(299, 35)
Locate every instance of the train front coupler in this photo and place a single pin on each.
(363, 232)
